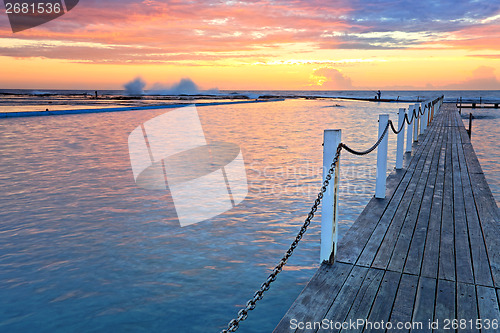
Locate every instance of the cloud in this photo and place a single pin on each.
(424, 15)
(331, 78)
(483, 78)
(154, 31)
(363, 46)
(486, 56)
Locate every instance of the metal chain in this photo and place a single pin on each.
(413, 116)
(369, 150)
(408, 121)
(423, 110)
(259, 294)
(394, 128)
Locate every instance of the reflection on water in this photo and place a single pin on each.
(83, 248)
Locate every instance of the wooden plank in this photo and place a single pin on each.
(464, 137)
(471, 158)
(463, 260)
(402, 311)
(358, 236)
(488, 306)
(318, 295)
(445, 304)
(489, 219)
(467, 306)
(417, 245)
(373, 244)
(430, 261)
(400, 253)
(382, 306)
(375, 238)
(340, 309)
(447, 246)
(352, 243)
(424, 304)
(480, 262)
(386, 248)
(362, 304)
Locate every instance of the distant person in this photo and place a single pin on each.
(96, 94)
(379, 94)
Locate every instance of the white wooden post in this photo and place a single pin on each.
(401, 139)
(429, 105)
(425, 117)
(415, 126)
(409, 134)
(383, 120)
(421, 123)
(329, 207)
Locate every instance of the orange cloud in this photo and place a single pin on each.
(331, 78)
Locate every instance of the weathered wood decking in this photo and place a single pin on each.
(429, 251)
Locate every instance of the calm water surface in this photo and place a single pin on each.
(83, 249)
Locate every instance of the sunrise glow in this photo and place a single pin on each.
(259, 45)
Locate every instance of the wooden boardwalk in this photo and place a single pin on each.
(429, 251)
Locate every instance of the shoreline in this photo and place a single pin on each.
(120, 109)
(192, 100)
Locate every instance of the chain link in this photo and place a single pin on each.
(394, 129)
(408, 121)
(259, 294)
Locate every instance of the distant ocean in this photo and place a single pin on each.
(417, 95)
(84, 249)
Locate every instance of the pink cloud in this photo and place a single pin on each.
(483, 78)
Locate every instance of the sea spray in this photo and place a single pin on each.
(135, 87)
(185, 86)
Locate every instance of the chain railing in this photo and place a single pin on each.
(259, 294)
(425, 109)
(372, 148)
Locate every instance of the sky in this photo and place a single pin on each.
(259, 45)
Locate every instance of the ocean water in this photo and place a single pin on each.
(84, 249)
